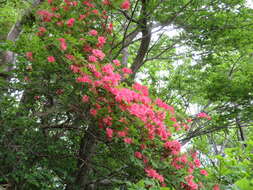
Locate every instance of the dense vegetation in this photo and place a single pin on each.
(126, 94)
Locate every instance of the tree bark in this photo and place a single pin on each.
(86, 150)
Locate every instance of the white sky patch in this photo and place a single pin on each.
(249, 3)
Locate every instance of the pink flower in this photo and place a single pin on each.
(216, 187)
(153, 173)
(50, 59)
(138, 155)
(92, 59)
(42, 30)
(122, 133)
(93, 33)
(93, 112)
(98, 53)
(128, 140)
(29, 55)
(109, 132)
(95, 11)
(70, 22)
(174, 146)
(127, 70)
(74, 3)
(108, 69)
(203, 115)
(101, 39)
(125, 5)
(69, 56)
(204, 172)
(49, 1)
(74, 68)
(106, 2)
(197, 163)
(84, 79)
(116, 62)
(63, 44)
(85, 98)
(107, 121)
(36, 97)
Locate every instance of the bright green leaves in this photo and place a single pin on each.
(243, 184)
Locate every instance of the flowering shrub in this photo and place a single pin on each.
(126, 114)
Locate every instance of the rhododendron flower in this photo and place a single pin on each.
(74, 68)
(161, 104)
(203, 115)
(51, 59)
(42, 29)
(46, 16)
(93, 33)
(74, 3)
(70, 57)
(98, 53)
(88, 4)
(63, 44)
(70, 22)
(216, 187)
(153, 173)
(84, 78)
(204, 172)
(190, 182)
(109, 132)
(189, 120)
(174, 146)
(92, 59)
(122, 133)
(125, 5)
(128, 140)
(106, 2)
(36, 97)
(29, 55)
(107, 121)
(138, 155)
(85, 98)
(93, 112)
(127, 70)
(197, 163)
(95, 11)
(116, 62)
(87, 48)
(101, 40)
(108, 69)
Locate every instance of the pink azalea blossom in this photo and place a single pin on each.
(204, 172)
(70, 22)
(93, 112)
(125, 5)
(93, 33)
(85, 98)
(63, 44)
(92, 59)
(216, 187)
(50, 59)
(116, 62)
(109, 132)
(98, 53)
(197, 163)
(138, 155)
(127, 70)
(128, 140)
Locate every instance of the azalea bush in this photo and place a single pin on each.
(67, 60)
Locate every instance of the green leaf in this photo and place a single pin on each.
(243, 184)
